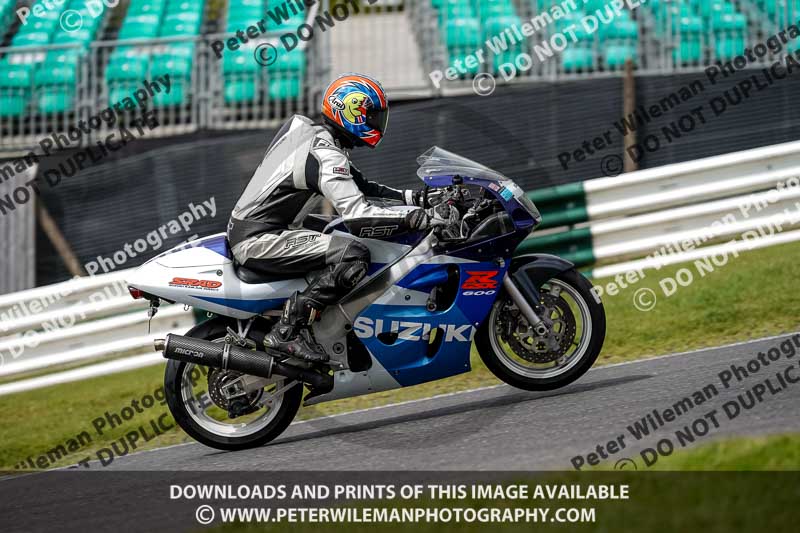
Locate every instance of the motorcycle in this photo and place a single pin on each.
(534, 319)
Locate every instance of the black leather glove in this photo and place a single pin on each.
(427, 201)
(418, 220)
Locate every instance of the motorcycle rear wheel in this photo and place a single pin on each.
(187, 390)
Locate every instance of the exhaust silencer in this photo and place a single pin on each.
(228, 357)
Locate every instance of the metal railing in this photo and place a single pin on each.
(235, 91)
(671, 36)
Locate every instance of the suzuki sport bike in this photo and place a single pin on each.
(427, 297)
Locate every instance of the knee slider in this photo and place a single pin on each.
(351, 273)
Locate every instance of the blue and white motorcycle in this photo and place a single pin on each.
(533, 318)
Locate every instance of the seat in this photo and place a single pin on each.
(253, 277)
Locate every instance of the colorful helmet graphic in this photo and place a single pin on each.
(356, 105)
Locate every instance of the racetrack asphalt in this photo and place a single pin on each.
(502, 428)
(498, 430)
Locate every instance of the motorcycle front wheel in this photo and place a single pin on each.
(196, 399)
(514, 353)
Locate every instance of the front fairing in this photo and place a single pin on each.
(440, 168)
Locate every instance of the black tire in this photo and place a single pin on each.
(503, 372)
(292, 398)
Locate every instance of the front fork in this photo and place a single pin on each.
(542, 327)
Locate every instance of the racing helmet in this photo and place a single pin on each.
(357, 107)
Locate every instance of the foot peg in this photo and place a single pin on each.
(298, 347)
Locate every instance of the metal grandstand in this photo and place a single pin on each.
(55, 73)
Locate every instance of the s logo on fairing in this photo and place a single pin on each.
(480, 280)
(366, 328)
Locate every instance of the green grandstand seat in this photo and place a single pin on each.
(670, 15)
(36, 25)
(241, 77)
(57, 99)
(689, 33)
(616, 55)
(186, 7)
(250, 13)
(182, 50)
(177, 94)
(707, 8)
(63, 56)
(127, 68)
(137, 31)
(619, 42)
(577, 58)
(15, 87)
(57, 74)
(143, 18)
(191, 17)
(462, 33)
(590, 6)
(462, 38)
(507, 56)
(38, 38)
(292, 22)
(240, 91)
(146, 6)
(16, 76)
(442, 4)
(284, 88)
(177, 67)
(122, 53)
(119, 91)
(12, 105)
(456, 10)
(495, 26)
(730, 33)
(494, 8)
(239, 63)
(294, 62)
(81, 36)
(176, 28)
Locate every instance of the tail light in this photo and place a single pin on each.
(136, 294)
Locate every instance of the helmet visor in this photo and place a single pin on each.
(377, 119)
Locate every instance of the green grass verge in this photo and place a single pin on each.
(775, 452)
(750, 297)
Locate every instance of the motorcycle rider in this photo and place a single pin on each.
(306, 159)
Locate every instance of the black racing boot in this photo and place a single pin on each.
(292, 336)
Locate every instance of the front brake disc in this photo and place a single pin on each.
(526, 343)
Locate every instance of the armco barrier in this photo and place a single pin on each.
(596, 220)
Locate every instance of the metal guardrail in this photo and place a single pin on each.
(609, 219)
